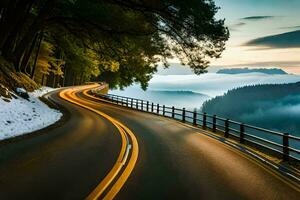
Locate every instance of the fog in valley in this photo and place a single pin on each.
(276, 107)
(197, 89)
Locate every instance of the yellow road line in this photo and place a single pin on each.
(122, 179)
(68, 95)
(117, 166)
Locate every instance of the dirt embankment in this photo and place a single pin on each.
(11, 79)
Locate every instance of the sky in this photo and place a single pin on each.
(263, 34)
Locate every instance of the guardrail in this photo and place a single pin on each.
(283, 144)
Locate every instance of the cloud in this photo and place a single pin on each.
(284, 40)
(279, 114)
(239, 24)
(234, 27)
(257, 17)
(290, 27)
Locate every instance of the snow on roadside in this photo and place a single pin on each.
(20, 116)
(43, 90)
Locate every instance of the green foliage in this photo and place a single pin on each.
(43, 66)
(114, 40)
(78, 58)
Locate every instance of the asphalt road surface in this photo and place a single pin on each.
(174, 161)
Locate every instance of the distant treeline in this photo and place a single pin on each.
(273, 106)
(247, 70)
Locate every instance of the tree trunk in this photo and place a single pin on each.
(27, 55)
(23, 10)
(74, 79)
(12, 22)
(22, 46)
(54, 80)
(65, 75)
(7, 21)
(36, 26)
(37, 55)
(43, 77)
(80, 79)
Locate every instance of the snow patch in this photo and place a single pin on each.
(20, 116)
(43, 90)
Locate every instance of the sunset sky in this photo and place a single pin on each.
(249, 20)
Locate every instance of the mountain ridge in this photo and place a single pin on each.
(271, 71)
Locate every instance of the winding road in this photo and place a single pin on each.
(106, 151)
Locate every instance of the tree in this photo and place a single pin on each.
(133, 35)
(43, 65)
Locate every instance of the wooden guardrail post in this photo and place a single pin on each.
(131, 103)
(285, 144)
(136, 104)
(195, 117)
(157, 109)
(173, 112)
(164, 110)
(242, 133)
(152, 107)
(147, 106)
(183, 114)
(226, 133)
(204, 121)
(142, 104)
(214, 128)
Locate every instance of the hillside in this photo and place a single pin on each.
(247, 70)
(273, 106)
(11, 79)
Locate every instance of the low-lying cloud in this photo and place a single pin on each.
(273, 106)
(209, 85)
(282, 115)
(212, 84)
(290, 27)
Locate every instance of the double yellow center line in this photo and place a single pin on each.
(117, 176)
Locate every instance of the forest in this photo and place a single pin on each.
(69, 42)
(272, 106)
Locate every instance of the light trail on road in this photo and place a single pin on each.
(116, 174)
